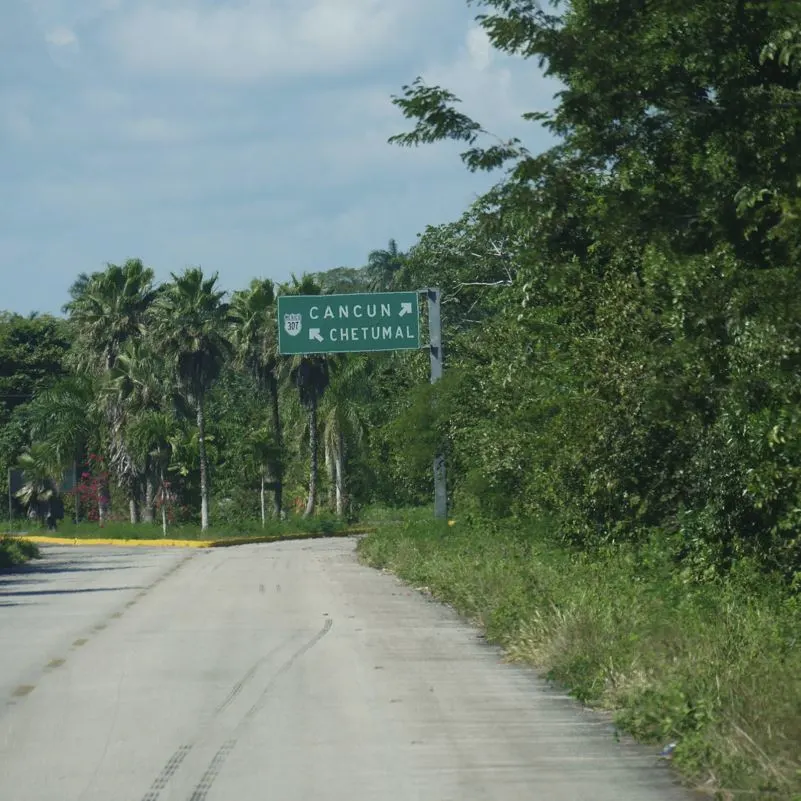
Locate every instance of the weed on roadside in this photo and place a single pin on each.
(714, 668)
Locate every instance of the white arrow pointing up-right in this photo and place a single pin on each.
(406, 308)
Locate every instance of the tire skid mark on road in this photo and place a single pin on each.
(202, 788)
(207, 779)
(240, 685)
(162, 780)
(284, 668)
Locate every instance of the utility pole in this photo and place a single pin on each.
(437, 363)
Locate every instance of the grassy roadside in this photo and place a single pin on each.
(715, 669)
(16, 552)
(273, 530)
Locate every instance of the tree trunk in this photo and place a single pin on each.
(104, 495)
(263, 516)
(163, 506)
(204, 477)
(75, 493)
(313, 466)
(149, 511)
(339, 473)
(134, 508)
(331, 471)
(133, 499)
(278, 503)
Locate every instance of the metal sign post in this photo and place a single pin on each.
(437, 364)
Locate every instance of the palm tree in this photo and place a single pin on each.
(255, 340)
(265, 452)
(107, 310)
(67, 418)
(190, 322)
(310, 376)
(40, 467)
(344, 421)
(151, 436)
(384, 266)
(137, 384)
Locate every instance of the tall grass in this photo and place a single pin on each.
(714, 668)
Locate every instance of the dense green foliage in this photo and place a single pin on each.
(15, 551)
(712, 668)
(621, 319)
(169, 404)
(623, 335)
(624, 312)
(32, 351)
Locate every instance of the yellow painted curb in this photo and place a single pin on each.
(170, 543)
(162, 543)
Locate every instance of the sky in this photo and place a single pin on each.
(248, 137)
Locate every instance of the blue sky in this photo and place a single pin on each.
(247, 137)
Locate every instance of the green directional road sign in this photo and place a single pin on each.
(348, 323)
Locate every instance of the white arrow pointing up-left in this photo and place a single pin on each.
(406, 308)
(314, 333)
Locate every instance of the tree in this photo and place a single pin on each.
(689, 131)
(255, 340)
(384, 267)
(107, 310)
(344, 422)
(67, 419)
(190, 322)
(310, 376)
(341, 280)
(41, 469)
(151, 435)
(137, 384)
(263, 448)
(33, 353)
(647, 329)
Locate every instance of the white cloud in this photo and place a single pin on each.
(257, 40)
(234, 169)
(61, 37)
(479, 48)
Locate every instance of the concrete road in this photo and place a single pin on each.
(282, 671)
